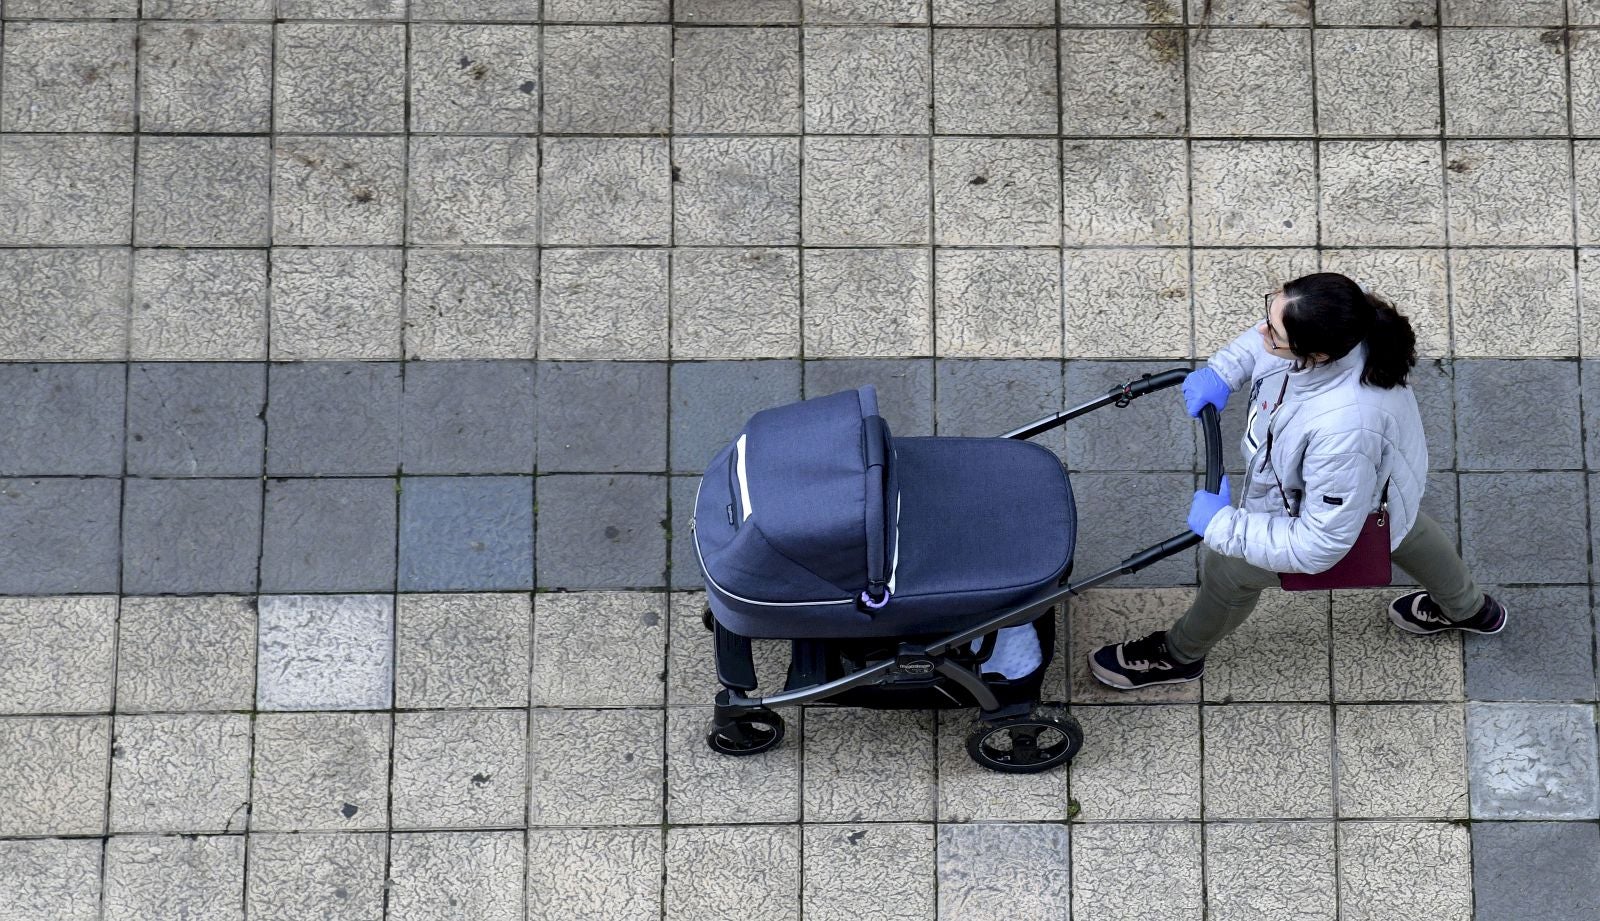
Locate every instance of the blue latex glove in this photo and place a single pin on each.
(1206, 505)
(1202, 387)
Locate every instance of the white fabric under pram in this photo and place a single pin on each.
(1016, 652)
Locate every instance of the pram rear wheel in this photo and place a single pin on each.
(1045, 738)
(750, 734)
(708, 620)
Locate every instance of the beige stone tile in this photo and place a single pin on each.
(1589, 298)
(969, 793)
(1268, 761)
(594, 874)
(569, 630)
(56, 769)
(471, 304)
(1125, 192)
(1513, 303)
(996, 192)
(603, 303)
(1585, 75)
(56, 654)
(1375, 660)
(1415, 280)
(1113, 615)
(1280, 652)
(1254, 193)
(735, 303)
(748, 872)
(998, 304)
(867, 303)
(869, 871)
(321, 772)
(1386, 749)
(1509, 192)
(705, 786)
(1504, 81)
(595, 767)
(869, 765)
(1121, 12)
(1127, 303)
(691, 656)
(1122, 81)
(993, 872)
(185, 772)
(1270, 871)
(1382, 193)
(1127, 872)
(1405, 870)
(1377, 81)
(1249, 81)
(1138, 763)
(1229, 284)
(460, 769)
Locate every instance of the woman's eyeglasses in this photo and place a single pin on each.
(1266, 320)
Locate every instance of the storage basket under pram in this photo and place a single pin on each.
(893, 565)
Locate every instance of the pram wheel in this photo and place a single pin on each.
(750, 734)
(709, 620)
(1047, 737)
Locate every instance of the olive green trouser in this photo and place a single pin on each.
(1229, 588)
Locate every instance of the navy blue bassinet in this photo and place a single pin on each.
(817, 523)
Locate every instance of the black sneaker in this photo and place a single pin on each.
(1141, 662)
(1417, 613)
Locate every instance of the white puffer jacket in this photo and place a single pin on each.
(1335, 441)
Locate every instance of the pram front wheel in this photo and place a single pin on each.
(1043, 739)
(750, 734)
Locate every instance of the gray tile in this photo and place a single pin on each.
(61, 419)
(605, 191)
(329, 191)
(601, 531)
(1120, 514)
(448, 875)
(208, 9)
(1432, 383)
(65, 189)
(466, 534)
(53, 878)
(325, 652)
(851, 11)
(321, 772)
(983, 399)
(1503, 13)
(174, 877)
(1167, 438)
(736, 191)
(1542, 653)
(340, 77)
(1547, 870)
(478, 79)
(1556, 551)
(1533, 761)
(622, 873)
(199, 305)
(752, 11)
(333, 418)
(295, 875)
(607, 10)
(460, 769)
(466, 650)
(865, 191)
(58, 536)
(68, 77)
(1439, 502)
(905, 388)
(203, 191)
(874, 871)
(190, 536)
(737, 80)
(1411, 13)
(747, 872)
(56, 769)
(685, 563)
(565, 745)
(474, 190)
(468, 417)
(996, 191)
(205, 77)
(64, 304)
(342, 9)
(196, 419)
(452, 10)
(602, 416)
(472, 303)
(994, 81)
(72, 9)
(867, 81)
(712, 401)
(56, 654)
(336, 303)
(182, 772)
(186, 654)
(607, 79)
(1589, 380)
(329, 535)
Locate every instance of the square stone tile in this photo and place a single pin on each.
(330, 304)
(65, 189)
(203, 191)
(1259, 871)
(684, 560)
(1533, 761)
(1535, 869)
(613, 531)
(341, 9)
(1221, 310)
(569, 786)
(704, 786)
(328, 535)
(1374, 660)
(1250, 81)
(1509, 192)
(1579, 13)
(56, 769)
(1410, 869)
(1586, 200)
(741, 81)
(466, 533)
(447, 875)
(1125, 303)
(338, 876)
(325, 652)
(208, 9)
(607, 79)
(1382, 193)
(747, 872)
(712, 401)
(199, 305)
(205, 77)
(1500, 434)
(149, 876)
(867, 81)
(456, 10)
(867, 302)
(1099, 441)
(1138, 763)
(58, 536)
(1513, 303)
(476, 190)
(568, 628)
(1112, 615)
(63, 304)
(1124, 872)
(630, 396)
(1584, 75)
(477, 79)
(869, 765)
(1589, 295)
(603, 304)
(187, 772)
(969, 793)
(846, 11)
(1503, 81)
(1122, 81)
(1249, 13)
(996, 192)
(340, 77)
(1378, 81)
(1125, 192)
(601, 190)
(72, 9)
(1555, 552)
(472, 304)
(752, 11)
(468, 417)
(338, 191)
(1440, 503)
(988, 872)
(185, 654)
(1254, 193)
(735, 303)
(331, 418)
(736, 191)
(877, 871)
(623, 868)
(905, 388)
(190, 536)
(865, 191)
(607, 10)
(460, 768)
(987, 13)
(998, 304)
(1380, 743)
(1503, 13)
(1415, 280)
(1122, 513)
(321, 772)
(68, 76)
(51, 878)
(692, 669)
(1542, 655)
(1410, 13)
(462, 650)
(196, 419)
(61, 419)
(1280, 653)
(1296, 782)
(985, 399)
(56, 654)
(988, 81)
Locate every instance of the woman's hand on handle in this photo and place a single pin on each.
(1204, 387)
(1206, 505)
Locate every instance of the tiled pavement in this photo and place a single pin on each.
(356, 364)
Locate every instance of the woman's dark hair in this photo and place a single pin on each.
(1328, 313)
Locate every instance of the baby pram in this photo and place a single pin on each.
(893, 564)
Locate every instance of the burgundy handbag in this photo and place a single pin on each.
(1366, 565)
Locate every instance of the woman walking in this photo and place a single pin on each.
(1333, 436)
